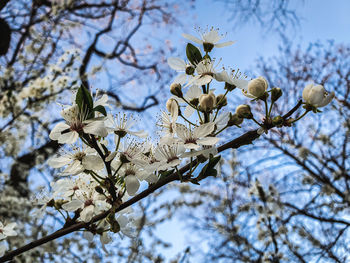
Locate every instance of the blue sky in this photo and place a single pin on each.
(321, 20)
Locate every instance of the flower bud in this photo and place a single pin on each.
(221, 101)
(173, 108)
(276, 93)
(257, 87)
(234, 120)
(207, 101)
(316, 95)
(277, 121)
(243, 111)
(175, 89)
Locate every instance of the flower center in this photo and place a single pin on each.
(77, 126)
(88, 202)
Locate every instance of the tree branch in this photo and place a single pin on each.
(246, 138)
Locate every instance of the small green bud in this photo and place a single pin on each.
(277, 121)
(276, 93)
(243, 111)
(175, 89)
(234, 120)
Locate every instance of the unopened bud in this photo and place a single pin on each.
(243, 111)
(277, 121)
(170, 104)
(234, 120)
(173, 107)
(276, 93)
(207, 101)
(257, 87)
(175, 89)
(189, 69)
(99, 189)
(221, 101)
(58, 203)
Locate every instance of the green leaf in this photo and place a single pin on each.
(208, 169)
(164, 174)
(84, 99)
(193, 54)
(100, 109)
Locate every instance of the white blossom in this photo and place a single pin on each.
(76, 123)
(317, 96)
(211, 37)
(194, 138)
(77, 162)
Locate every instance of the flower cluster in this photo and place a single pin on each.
(107, 159)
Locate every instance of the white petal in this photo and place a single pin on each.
(208, 141)
(72, 205)
(203, 80)
(141, 134)
(306, 92)
(204, 130)
(96, 128)
(326, 100)
(57, 162)
(74, 168)
(181, 79)
(191, 146)
(68, 137)
(87, 213)
(132, 184)
(193, 38)
(188, 111)
(56, 131)
(212, 36)
(177, 64)
(225, 44)
(92, 162)
(222, 76)
(122, 221)
(103, 101)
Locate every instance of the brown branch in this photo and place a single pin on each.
(246, 138)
